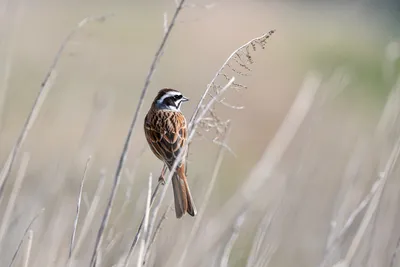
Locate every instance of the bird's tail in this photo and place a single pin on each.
(183, 198)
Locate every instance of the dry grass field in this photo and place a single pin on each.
(309, 172)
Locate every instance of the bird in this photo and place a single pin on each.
(166, 132)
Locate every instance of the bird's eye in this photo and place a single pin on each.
(177, 97)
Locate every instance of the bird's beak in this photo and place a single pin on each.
(184, 99)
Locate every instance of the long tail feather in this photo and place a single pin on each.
(182, 196)
(179, 196)
(191, 208)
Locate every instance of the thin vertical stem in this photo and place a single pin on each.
(127, 143)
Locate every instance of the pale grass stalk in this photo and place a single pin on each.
(44, 89)
(139, 230)
(344, 203)
(229, 245)
(372, 207)
(87, 223)
(341, 207)
(127, 143)
(118, 236)
(68, 39)
(115, 240)
(14, 194)
(386, 123)
(6, 170)
(6, 26)
(156, 232)
(207, 196)
(353, 215)
(283, 136)
(145, 237)
(259, 238)
(262, 171)
(215, 258)
(130, 174)
(23, 237)
(102, 104)
(28, 249)
(165, 25)
(5, 86)
(266, 257)
(181, 154)
(78, 207)
(127, 200)
(384, 222)
(211, 84)
(86, 201)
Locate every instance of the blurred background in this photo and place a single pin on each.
(350, 49)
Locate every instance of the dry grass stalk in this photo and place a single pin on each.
(127, 143)
(372, 207)
(128, 194)
(4, 90)
(9, 18)
(350, 220)
(156, 232)
(242, 58)
(264, 167)
(384, 225)
(139, 230)
(6, 170)
(44, 89)
(87, 223)
(242, 51)
(28, 248)
(145, 236)
(229, 245)
(130, 174)
(263, 228)
(206, 199)
(385, 126)
(78, 207)
(14, 194)
(23, 237)
(343, 215)
(283, 136)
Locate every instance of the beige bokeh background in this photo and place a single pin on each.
(99, 79)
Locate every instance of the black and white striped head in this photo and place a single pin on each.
(169, 99)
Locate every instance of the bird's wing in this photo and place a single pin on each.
(166, 133)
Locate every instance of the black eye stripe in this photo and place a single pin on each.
(173, 98)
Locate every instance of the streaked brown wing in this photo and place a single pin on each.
(166, 134)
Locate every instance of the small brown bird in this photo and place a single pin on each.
(166, 132)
